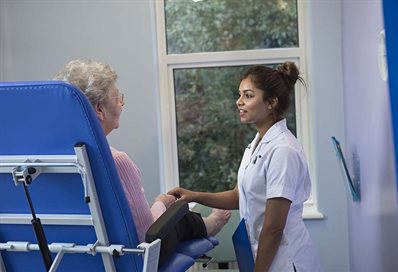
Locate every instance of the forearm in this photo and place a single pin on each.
(267, 248)
(228, 200)
(271, 233)
(157, 209)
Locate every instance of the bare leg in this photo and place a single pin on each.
(216, 220)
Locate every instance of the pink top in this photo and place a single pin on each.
(130, 176)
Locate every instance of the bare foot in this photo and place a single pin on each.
(216, 220)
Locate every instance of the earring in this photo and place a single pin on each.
(270, 107)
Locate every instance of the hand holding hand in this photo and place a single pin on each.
(183, 194)
(167, 200)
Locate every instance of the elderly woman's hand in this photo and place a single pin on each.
(167, 200)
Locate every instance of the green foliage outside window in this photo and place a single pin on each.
(211, 139)
(224, 25)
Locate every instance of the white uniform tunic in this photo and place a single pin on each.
(278, 168)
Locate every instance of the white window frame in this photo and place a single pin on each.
(168, 62)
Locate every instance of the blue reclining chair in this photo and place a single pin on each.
(57, 169)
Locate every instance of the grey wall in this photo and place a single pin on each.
(38, 37)
(373, 222)
(327, 114)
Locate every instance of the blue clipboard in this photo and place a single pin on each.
(352, 187)
(243, 249)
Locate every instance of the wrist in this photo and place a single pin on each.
(157, 209)
(197, 197)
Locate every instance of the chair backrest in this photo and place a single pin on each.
(49, 118)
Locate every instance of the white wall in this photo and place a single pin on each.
(38, 37)
(327, 112)
(373, 222)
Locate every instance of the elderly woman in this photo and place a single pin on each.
(97, 81)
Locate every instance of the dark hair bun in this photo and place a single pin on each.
(289, 71)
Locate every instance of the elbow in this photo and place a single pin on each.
(273, 230)
(235, 202)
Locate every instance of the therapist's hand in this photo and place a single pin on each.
(167, 200)
(183, 194)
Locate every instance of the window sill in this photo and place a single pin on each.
(311, 212)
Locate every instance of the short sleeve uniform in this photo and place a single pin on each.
(277, 167)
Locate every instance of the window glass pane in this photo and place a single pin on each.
(224, 25)
(211, 139)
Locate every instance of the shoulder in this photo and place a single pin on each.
(287, 142)
(286, 149)
(288, 145)
(122, 159)
(118, 155)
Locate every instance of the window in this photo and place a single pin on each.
(203, 48)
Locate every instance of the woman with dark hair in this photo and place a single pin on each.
(273, 178)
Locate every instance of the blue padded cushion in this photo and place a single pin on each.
(195, 247)
(177, 262)
(213, 240)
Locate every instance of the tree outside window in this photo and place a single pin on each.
(226, 25)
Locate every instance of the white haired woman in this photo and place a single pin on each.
(97, 80)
